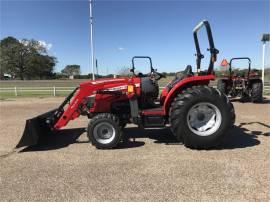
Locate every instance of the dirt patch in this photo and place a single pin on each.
(151, 166)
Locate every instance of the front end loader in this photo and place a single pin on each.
(197, 114)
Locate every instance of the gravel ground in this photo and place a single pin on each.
(151, 167)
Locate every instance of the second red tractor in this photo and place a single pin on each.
(244, 84)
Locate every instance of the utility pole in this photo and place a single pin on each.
(265, 38)
(91, 40)
(263, 62)
(97, 67)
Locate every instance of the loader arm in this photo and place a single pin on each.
(78, 102)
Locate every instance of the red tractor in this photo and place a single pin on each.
(197, 114)
(246, 85)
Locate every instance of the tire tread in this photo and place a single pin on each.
(179, 109)
(104, 116)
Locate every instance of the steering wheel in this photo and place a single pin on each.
(157, 76)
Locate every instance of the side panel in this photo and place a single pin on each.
(103, 102)
(183, 84)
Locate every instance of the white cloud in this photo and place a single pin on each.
(41, 43)
(24, 42)
(46, 45)
(120, 48)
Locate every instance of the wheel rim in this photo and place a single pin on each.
(204, 119)
(104, 133)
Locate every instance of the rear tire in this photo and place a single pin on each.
(256, 91)
(221, 86)
(104, 131)
(200, 117)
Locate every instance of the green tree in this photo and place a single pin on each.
(40, 66)
(71, 70)
(24, 58)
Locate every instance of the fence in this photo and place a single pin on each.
(24, 91)
(52, 91)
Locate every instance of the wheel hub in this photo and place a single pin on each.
(104, 133)
(204, 119)
(200, 116)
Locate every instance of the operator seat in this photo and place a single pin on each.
(188, 71)
(178, 77)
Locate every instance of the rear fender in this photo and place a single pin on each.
(182, 85)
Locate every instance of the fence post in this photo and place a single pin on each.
(15, 89)
(54, 91)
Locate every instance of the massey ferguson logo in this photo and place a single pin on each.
(124, 87)
(107, 81)
(117, 88)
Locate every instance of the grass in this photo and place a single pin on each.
(5, 95)
(40, 83)
(45, 83)
(37, 83)
(50, 83)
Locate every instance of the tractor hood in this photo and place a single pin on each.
(106, 81)
(113, 82)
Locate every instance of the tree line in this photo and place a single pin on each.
(29, 59)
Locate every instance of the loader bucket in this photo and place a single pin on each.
(36, 129)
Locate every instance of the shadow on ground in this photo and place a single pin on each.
(255, 132)
(66, 137)
(238, 137)
(61, 139)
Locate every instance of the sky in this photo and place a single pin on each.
(123, 29)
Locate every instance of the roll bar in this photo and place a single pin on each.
(240, 58)
(141, 57)
(212, 49)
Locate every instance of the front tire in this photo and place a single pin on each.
(104, 131)
(221, 86)
(200, 117)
